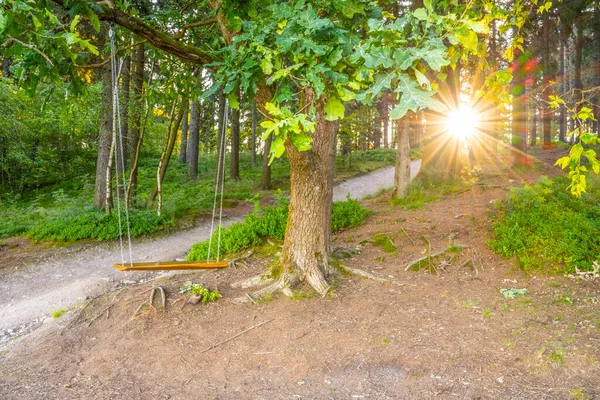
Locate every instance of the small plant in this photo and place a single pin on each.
(468, 303)
(487, 313)
(512, 292)
(385, 340)
(196, 289)
(557, 356)
(564, 300)
(384, 241)
(58, 313)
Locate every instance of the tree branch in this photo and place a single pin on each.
(120, 49)
(184, 28)
(156, 37)
(12, 40)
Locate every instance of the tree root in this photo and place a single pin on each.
(252, 282)
(368, 275)
(240, 259)
(149, 303)
(429, 256)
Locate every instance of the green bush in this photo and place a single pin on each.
(547, 229)
(271, 222)
(97, 225)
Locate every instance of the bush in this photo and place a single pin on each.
(270, 222)
(547, 229)
(97, 225)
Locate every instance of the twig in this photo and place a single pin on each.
(250, 298)
(235, 336)
(99, 315)
(408, 236)
(369, 275)
(12, 40)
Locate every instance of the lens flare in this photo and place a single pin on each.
(462, 123)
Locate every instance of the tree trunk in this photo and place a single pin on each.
(545, 111)
(385, 118)
(165, 156)
(194, 145)
(253, 140)
(305, 253)
(184, 135)
(402, 170)
(578, 84)
(221, 131)
(134, 141)
(265, 176)
(121, 162)
(562, 116)
(596, 41)
(533, 130)
(234, 166)
(6, 67)
(378, 125)
(102, 195)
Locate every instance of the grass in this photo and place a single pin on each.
(424, 189)
(64, 212)
(58, 313)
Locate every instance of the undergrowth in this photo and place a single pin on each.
(270, 222)
(547, 229)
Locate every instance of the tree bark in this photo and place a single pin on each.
(265, 176)
(402, 170)
(221, 131)
(121, 162)
(562, 112)
(305, 253)
(184, 135)
(253, 139)
(134, 141)
(533, 130)
(165, 156)
(6, 67)
(596, 41)
(546, 111)
(385, 118)
(578, 84)
(193, 147)
(234, 166)
(102, 196)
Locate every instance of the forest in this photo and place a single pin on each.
(136, 132)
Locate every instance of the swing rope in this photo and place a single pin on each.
(219, 176)
(118, 147)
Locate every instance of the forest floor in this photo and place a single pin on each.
(447, 333)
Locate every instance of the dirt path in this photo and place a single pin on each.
(30, 294)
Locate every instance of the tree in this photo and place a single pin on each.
(184, 136)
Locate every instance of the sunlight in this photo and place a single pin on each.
(462, 123)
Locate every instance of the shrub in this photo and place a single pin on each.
(545, 228)
(270, 222)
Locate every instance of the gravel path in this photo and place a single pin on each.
(29, 295)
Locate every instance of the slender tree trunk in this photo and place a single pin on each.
(221, 131)
(184, 135)
(545, 111)
(402, 170)
(194, 144)
(265, 176)
(385, 118)
(533, 130)
(134, 141)
(234, 166)
(253, 139)
(6, 67)
(578, 84)
(165, 157)
(121, 162)
(378, 125)
(102, 195)
(562, 112)
(596, 43)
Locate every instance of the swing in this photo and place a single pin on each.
(159, 265)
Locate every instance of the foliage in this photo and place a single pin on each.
(196, 289)
(547, 229)
(270, 222)
(58, 313)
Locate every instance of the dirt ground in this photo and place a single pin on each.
(448, 334)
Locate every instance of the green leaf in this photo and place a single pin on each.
(334, 108)
(301, 141)
(267, 66)
(420, 14)
(428, 5)
(436, 58)
(74, 23)
(422, 79)
(233, 100)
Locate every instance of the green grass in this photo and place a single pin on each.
(547, 229)
(58, 313)
(64, 212)
(425, 189)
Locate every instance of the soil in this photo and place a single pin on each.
(448, 333)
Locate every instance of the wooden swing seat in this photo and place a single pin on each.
(170, 265)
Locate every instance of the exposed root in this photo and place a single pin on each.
(252, 282)
(99, 315)
(430, 256)
(368, 275)
(240, 259)
(268, 290)
(149, 303)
